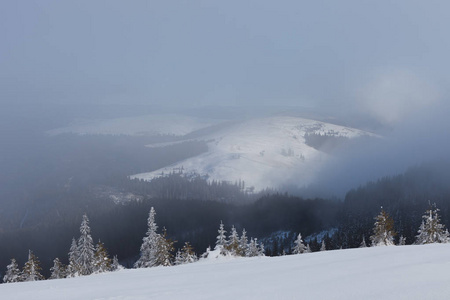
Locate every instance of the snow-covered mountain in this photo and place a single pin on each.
(264, 152)
(396, 272)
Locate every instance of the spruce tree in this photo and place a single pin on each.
(383, 231)
(115, 265)
(164, 250)
(102, 262)
(186, 255)
(32, 268)
(149, 244)
(73, 268)
(323, 247)
(58, 270)
(85, 248)
(299, 246)
(12, 272)
(308, 249)
(402, 241)
(233, 242)
(243, 244)
(431, 230)
(253, 249)
(363, 243)
(221, 240)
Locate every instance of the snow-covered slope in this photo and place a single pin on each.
(264, 152)
(396, 272)
(144, 125)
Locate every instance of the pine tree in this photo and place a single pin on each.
(308, 249)
(261, 250)
(164, 250)
(233, 242)
(383, 231)
(363, 243)
(221, 240)
(58, 270)
(431, 230)
(85, 248)
(149, 244)
(12, 272)
(299, 246)
(186, 255)
(31, 269)
(102, 262)
(323, 247)
(243, 244)
(73, 269)
(402, 241)
(252, 249)
(116, 266)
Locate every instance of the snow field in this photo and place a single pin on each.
(395, 272)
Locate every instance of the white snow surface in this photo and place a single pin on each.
(264, 152)
(394, 272)
(153, 125)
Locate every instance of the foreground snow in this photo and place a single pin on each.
(396, 272)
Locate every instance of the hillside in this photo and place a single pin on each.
(396, 272)
(265, 152)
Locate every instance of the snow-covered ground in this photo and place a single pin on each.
(396, 272)
(263, 152)
(170, 124)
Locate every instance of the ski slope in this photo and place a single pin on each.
(264, 153)
(395, 272)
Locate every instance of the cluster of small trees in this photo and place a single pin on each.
(84, 259)
(430, 231)
(235, 245)
(157, 249)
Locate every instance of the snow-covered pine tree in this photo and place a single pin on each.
(323, 247)
(12, 272)
(243, 243)
(32, 268)
(299, 246)
(308, 249)
(178, 258)
(149, 244)
(233, 242)
(73, 269)
(164, 250)
(261, 250)
(431, 230)
(115, 266)
(402, 241)
(206, 254)
(102, 262)
(253, 249)
(85, 248)
(221, 240)
(186, 255)
(383, 230)
(58, 270)
(363, 243)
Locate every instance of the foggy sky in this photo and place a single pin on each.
(337, 55)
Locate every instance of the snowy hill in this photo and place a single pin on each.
(264, 152)
(396, 272)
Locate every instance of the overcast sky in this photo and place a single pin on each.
(370, 55)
